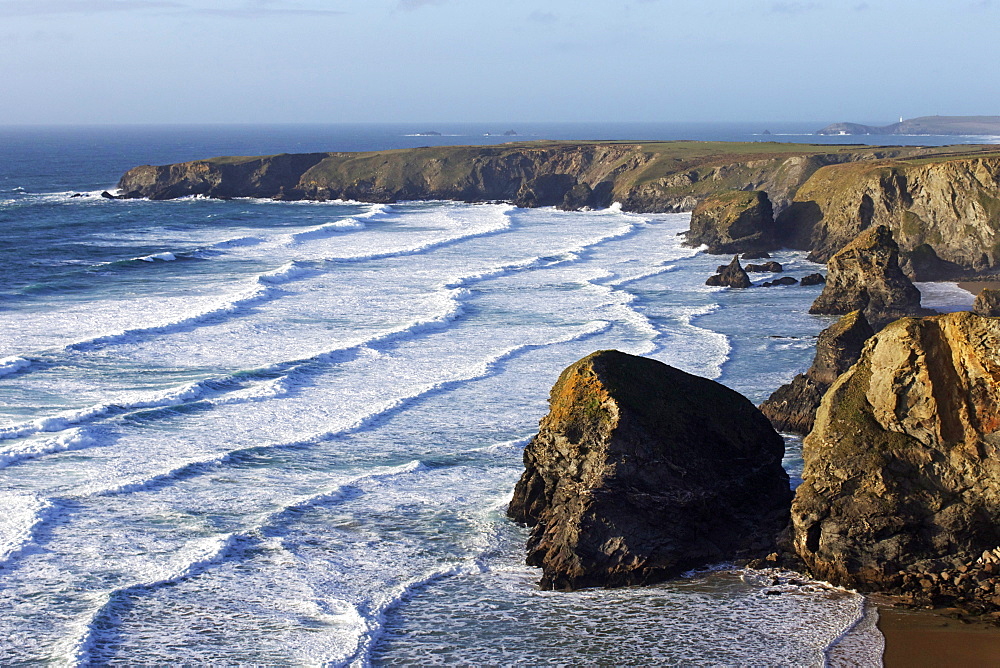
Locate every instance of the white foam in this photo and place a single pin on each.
(9, 365)
(945, 297)
(22, 512)
(186, 562)
(72, 439)
(163, 257)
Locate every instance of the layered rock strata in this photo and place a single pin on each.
(865, 276)
(792, 407)
(902, 467)
(987, 303)
(640, 472)
(731, 275)
(733, 221)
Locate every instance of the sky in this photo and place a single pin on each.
(350, 61)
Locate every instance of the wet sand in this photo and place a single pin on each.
(975, 287)
(924, 639)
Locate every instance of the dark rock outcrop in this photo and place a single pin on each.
(731, 276)
(757, 255)
(733, 221)
(772, 267)
(792, 407)
(865, 276)
(902, 468)
(923, 264)
(987, 303)
(640, 472)
(784, 280)
(813, 279)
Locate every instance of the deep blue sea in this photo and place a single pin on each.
(249, 432)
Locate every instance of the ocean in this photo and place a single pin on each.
(250, 432)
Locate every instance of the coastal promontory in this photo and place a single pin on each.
(901, 485)
(942, 204)
(641, 471)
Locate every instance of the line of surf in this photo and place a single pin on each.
(375, 416)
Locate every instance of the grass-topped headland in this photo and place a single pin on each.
(822, 194)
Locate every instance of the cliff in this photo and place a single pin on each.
(941, 203)
(792, 407)
(650, 177)
(945, 208)
(901, 484)
(641, 471)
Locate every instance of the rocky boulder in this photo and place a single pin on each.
(987, 303)
(772, 266)
(792, 407)
(813, 279)
(641, 471)
(902, 468)
(865, 276)
(730, 276)
(733, 221)
(784, 280)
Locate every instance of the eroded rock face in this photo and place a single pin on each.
(987, 303)
(865, 276)
(902, 467)
(772, 267)
(792, 407)
(640, 472)
(730, 276)
(733, 221)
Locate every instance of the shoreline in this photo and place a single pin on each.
(927, 638)
(975, 287)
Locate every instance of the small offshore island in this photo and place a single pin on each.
(900, 491)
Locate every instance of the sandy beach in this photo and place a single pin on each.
(925, 639)
(975, 287)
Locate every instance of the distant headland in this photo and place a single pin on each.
(924, 125)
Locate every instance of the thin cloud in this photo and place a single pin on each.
(251, 9)
(410, 5)
(12, 8)
(542, 17)
(793, 7)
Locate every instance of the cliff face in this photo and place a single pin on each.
(864, 275)
(951, 206)
(652, 177)
(641, 471)
(943, 207)
(792, 407)
(903, 464)
(733, 221)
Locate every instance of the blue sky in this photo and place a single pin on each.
(263, 61)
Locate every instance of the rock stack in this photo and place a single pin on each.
(901, 482)
(865, 276)
(641, 471)
(792, 407)
(734, 221)
(731, 275)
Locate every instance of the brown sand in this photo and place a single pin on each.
(924, 639)
(975, 287)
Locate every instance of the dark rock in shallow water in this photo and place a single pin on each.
(730, 275)
(733, 221)
(792, 407)
(784, 280)
(640, 472)
(902, 468)
(577, 197)
(773, 267)
(106, 195)
(813, 279)
(757, 255)
(865, 275)
(987, 303)
(923, 264)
